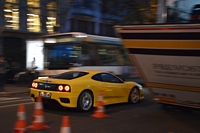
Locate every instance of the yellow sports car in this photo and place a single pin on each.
(80, 89)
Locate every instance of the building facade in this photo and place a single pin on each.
(23, 19)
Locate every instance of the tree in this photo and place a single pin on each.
(132, 11)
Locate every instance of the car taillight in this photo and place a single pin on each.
(60, 87)
(65, 88)
(34, 85)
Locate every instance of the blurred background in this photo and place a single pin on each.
(21, 20)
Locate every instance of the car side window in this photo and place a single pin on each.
(110, 78)
(97, 77)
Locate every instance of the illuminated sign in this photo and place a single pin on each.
(34, 54)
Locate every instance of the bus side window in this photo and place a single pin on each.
(107, 55)
(91, 55)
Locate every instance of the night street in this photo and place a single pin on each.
(128, 62)
(144, 117)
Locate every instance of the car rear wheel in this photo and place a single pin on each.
(85, 101)
(134, 95)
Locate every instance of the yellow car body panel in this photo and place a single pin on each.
(57, 96)
(112, 92)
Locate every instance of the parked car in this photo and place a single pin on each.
(195, 14)
(80, 89)
(26, 77)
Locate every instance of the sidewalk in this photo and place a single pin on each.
(14, 89)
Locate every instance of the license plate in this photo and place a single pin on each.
(45, 94)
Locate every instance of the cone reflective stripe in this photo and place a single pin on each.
(100, 110)
(38, 118)
(21, 115)
(100, 97)
(38, 105)
(65, 128)
(20, 125)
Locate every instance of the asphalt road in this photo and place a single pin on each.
(144, 117)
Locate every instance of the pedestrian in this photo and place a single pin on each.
(33, 72)
(2, 74)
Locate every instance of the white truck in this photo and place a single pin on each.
(168, 60)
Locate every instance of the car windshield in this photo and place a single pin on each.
(70, 75)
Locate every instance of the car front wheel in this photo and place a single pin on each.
(134, 95)
(85, 101)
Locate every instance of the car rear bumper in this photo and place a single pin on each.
(66, 99)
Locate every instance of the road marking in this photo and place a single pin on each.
(28, 99)
(6, 98)
(15, 105)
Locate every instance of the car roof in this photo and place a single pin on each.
(94, 71)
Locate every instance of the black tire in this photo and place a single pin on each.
(134, 95)
(85, 101)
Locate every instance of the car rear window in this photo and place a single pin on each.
(70, 75)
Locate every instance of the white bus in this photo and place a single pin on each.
(57, 53)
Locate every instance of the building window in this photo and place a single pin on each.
(90, 27)
(33, 16)
(12, 1)
(73, 26)
(87, 3)
(33, 3)
(107, 30)
(51, 16)
(11, 13)
(102, 29)
(83, 26)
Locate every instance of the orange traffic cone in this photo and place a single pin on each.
(100, 110)
(38, 118)
(65, 127)
(20, 125)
